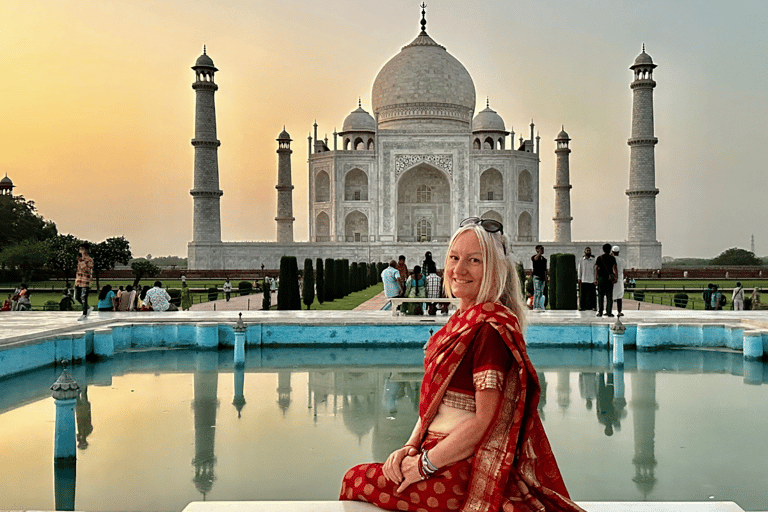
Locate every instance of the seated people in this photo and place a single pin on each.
(106, 296)
(7, 304)
(126, 299)
(66, 302)
(158, 299)
(23, 304)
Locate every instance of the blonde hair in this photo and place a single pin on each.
(500, 280)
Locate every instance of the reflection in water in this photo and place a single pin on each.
(644, 408)
(365, 412)
(204, 406)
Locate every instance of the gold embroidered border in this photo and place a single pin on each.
(459, 401)
(488, 379)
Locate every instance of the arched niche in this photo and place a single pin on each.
(476, 144)
(359, 144)
(356, 227)
(524, 228)
(489, 143)
(370, 144)
(492, 214)
(322, 227)
(322, 187)
(525, 187)
(491, 185)
(356, 186)
(423, 194)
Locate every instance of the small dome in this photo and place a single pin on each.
(6, 180)
(643, 60)
(563, 135)
(487, 121)
(359, 121)
(204, 61)
(284, 135)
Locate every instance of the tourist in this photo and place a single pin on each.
(706, 295)
(737, 298)
(83, 279)
(479, 443)
(429, 266)
(586, 280)
(540, 276)
(754, 299)
(24, 303)
(403, 269)
(717, 301)
(67, 302)
(126, 300)
(106, 296)
(618, 287)
(8, 304)
(141, 304)
(158, 299)
(606, 275)
(186, 296)
(415, 287)
(15, 298)
(434, 291)
(390, 276)
(228, 289)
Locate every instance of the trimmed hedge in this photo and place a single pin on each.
(639, 295)
(288, 297)
(320, 281)
(213, 293)
(329, 281)
(308, 293)
(681, 300)
(552, 295)
(266, 301)
(245, 287)
(567, 278)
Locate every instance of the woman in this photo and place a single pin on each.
(142, 305)
(186, 296)
(126, 299)
(106, 296)
(415, 286)
(479, 443)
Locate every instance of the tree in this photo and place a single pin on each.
(320, 281)
(142, 269)
(109, 253)
(63, 255)
(329, 283)
(308, 294)
(354, 286)
(266, 302)
(26, 258)
(288, 297)
(736, 256)
(19, 221)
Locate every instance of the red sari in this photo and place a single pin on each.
(512, 469)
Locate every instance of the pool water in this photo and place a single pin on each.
(159, 429)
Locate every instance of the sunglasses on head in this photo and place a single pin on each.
(490, 225)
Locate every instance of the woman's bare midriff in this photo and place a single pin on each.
(448, 418)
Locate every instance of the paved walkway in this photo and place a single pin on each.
(375, 303)
(236, 303)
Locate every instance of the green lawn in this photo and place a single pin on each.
(349, 302)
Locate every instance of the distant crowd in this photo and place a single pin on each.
(423, 282)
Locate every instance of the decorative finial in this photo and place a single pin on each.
(240, 326)
(643, 47)
(423, 18)
(487, 102)
(204, 50)
(359, 102)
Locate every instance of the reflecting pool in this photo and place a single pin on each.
(158, 429)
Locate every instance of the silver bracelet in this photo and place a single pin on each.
(430, 468)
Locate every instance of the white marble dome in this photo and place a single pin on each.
(422, 86)
(488, 121)
(359, 121)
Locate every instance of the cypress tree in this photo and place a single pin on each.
(363, 279)
(283, 286)
(319, 281)
(266, 302)
(566, 281)
(380, 266)
(353, 275)
(339, 284)
(308, 293)
(372, 274)
(329, 290)
(295, 293)
(521, 277)
(345, 287)
(552, 297)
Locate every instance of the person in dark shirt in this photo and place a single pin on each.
(606, 274)
(539, 277)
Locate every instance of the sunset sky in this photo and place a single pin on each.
(97, 108)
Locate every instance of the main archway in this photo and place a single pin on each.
(423, 205)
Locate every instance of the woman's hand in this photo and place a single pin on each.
(410, 470)
(393, 469)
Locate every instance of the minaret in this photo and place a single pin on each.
(284, 190)
(206, 192)
(562, 188)
(642, 189)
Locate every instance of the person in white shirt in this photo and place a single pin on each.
(618, 287)
(227, 289)
(586, 278)
(738, 298)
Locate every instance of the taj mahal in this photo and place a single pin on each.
(399, 180)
